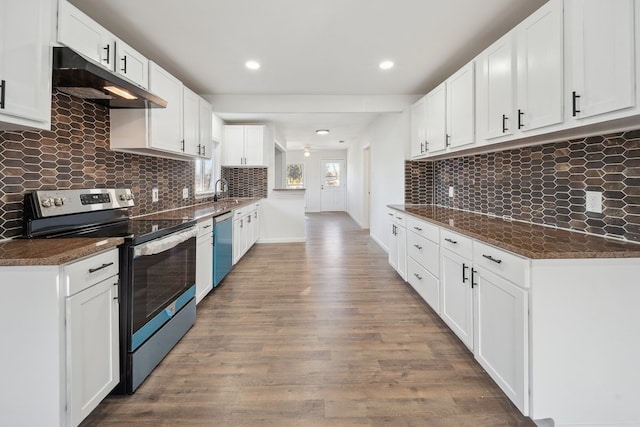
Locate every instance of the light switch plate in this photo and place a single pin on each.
(451, 191)
(594, 201)
(154, 195)
(185, 193)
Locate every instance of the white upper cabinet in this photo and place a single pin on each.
(460, 107)
(84, 35)
(205, 128)
(131, 64)
(419, 128)
(540, 71)
(601, 57)
(436, 120)
(191, 121)
(87, 37)
(25, 63)
(244, 145)
(217, 125)
(495, 89)
(166, 131)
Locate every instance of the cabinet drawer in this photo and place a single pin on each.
(89, 271)
(239, 213)
(398, 217)
(424, 252)
(423, 228)
(205, 227)
(425, 284)
(506, 264)
(456, 243)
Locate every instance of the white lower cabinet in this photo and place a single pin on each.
(423, 261)
(501, 330)
(204, 259)
(65, 351)
(245, 230)
(398, 242)
(425, 284)
(457, 295)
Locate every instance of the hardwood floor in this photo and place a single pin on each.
(317, 334)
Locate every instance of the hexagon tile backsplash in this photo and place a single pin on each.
(76, 154)
(544, 184)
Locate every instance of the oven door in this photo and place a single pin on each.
(162, 271)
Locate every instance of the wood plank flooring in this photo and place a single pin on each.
(317, 334)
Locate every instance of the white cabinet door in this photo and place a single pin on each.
(217, 125)
(84, 35)
(436, 119)
(240, 238)
(540, 71)
(132, 64)
(191, 121)
(25, 62)
(393, 246)
(166, 123)
(601, 56)
(254, 145)
(256, 225)
(233, 145)
(401, 237)
(425, 283)
(495, 83)
(502, 335)
(461, 107)
(93, 363)
(204, 259)
(457, 295)
(205, 126)
(419, 128)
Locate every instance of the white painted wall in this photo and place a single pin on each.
(389, 139)
(312, 175)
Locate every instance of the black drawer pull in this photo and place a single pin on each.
(419, 277)
(490, 258)
(3, 86)
(451, 241)
(418, 247)
(418, 228)
(93, 270)
(207, 226)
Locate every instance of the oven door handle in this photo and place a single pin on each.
(160, 245)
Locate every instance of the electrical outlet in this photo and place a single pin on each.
(451, 191)
(594, 201)
(154, 195)
(185, 193)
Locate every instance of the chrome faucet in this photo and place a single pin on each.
(224, 188)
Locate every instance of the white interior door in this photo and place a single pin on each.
(332, 185)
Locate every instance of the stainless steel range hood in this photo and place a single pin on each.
(78, 76)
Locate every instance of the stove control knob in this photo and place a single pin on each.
(58, 201)
(129, 196)
(123, 197)
(46, 203)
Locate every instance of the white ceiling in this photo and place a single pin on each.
(327, 48)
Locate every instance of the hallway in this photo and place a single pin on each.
(317, 334)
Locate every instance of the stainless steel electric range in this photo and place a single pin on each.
(157, 268)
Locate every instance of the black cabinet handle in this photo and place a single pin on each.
(426, 145)
(574, 103)
(451, 241)
(447, 137)
(418, 247)
(124, 61)
(490, 258)
(207, 226)
(108, 49)
(418, 228)
(3, 86)
(504, 123)
(204, 150)
(464, 269)
(182, 143)
(473, 280)
(199, 149)
(520, 114)
(421, 147)
(419, 277)
(93, 270)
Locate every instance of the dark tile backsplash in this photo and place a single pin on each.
(545, 184)
(418, 178)
(246, 181)
(76, 154)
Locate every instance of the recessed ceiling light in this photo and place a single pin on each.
(385, 65)
(322, 131)
(252, 65)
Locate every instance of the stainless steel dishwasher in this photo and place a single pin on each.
(222, 247)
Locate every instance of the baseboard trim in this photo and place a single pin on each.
(284, 240)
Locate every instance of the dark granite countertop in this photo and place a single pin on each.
(529, 240)
(23, 252)
(203, 211)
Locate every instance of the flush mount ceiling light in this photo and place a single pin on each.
(307, 153)
(386, 65)
(322, 131)
(252, 65)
